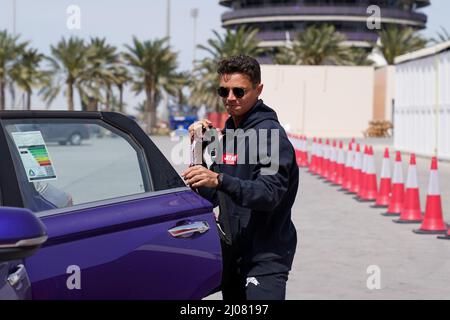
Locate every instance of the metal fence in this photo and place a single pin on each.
(422, 106)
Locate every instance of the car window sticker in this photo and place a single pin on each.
(34, 155)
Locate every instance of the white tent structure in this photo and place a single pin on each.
(422, 102)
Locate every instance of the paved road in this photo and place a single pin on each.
(339, 239)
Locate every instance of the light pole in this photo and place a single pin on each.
(194, 15)
(168, 22)
(14, 17)
(164, 115)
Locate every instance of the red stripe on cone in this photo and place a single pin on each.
(433, 221)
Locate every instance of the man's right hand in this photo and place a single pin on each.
(205, 123)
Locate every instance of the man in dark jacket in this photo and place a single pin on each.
(255, 193)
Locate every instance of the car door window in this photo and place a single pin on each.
(66, 162)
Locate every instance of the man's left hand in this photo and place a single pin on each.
(199, 176)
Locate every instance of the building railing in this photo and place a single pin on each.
(350, 35)
(321, 10)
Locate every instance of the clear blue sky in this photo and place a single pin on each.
(44, 23)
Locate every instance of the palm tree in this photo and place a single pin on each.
(205, 79)
(26, 73)
(10, 49)
(204, 84)
(441, 36)
(154, 63)
(360, 56)
(68, 65)
(100, 75)
(317, 45)
(398, 41)
(121, 78)
(234, 42)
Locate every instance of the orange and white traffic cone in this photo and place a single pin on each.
(362, 175)
(313, 163)
(433, 221)
(326, 160)
(357, 168)
(348, 171)
(305, 150)
(411, 212)
(332, 169)
(385, 183)
(296, 142)
(398, 189)
(340, 166)
(320, 150)
(304, 155)
(370, 188)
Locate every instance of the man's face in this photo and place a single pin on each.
(237, 107)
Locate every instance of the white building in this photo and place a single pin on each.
(320, 101)
(422, 102)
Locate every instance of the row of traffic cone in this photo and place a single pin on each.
(300, 144)
(356, 174)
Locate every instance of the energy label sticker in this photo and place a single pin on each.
(34, 155)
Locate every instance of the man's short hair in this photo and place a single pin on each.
(241, 64)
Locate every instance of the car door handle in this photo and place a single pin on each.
(17, 276)
(188, 230)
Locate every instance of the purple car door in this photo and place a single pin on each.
(120, 222)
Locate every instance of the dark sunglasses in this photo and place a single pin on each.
(237, 92)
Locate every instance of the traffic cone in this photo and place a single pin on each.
(385, 183)
(398, 189)
(357, 167)
(326, 160)
(370, 188)
(304, 160)
(411, 205)
(332, 169)
(297, 147)
(313, 163)
(340, 164)
(320, 150)
(348, 171)
(433, 221)
(362, 175)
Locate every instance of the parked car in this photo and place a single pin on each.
(70, 133)
(111, 220)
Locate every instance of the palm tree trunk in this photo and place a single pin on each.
(180, 97)
(108, 98)
(92, 104)
(28, 100)
(150, 112)
(2, 95)
(70, 95)
(84, 105)
(121, 98)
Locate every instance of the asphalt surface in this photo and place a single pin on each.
(344, 245)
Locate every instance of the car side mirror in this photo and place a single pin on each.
(21, 233)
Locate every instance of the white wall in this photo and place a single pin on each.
(422, 106)
(390, 92)
(320, 101)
